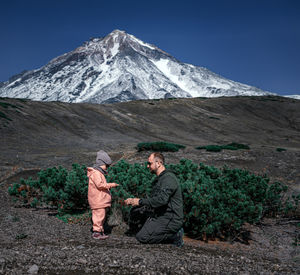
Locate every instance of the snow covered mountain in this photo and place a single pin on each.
(293, 96)
(119, 67)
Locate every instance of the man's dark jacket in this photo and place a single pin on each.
(166, 200)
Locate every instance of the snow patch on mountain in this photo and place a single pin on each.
(119, 67)
(293, 96)
(141, 42)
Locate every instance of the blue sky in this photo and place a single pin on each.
(249, 41)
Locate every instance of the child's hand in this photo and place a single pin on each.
(114, 184)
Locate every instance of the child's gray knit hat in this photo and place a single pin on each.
(102, 158)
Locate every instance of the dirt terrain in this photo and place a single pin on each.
(37, 135)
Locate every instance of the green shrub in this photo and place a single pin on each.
(219, 148)
(21, 236)
(237, 146)
(217, 202)
(14, 189)
(211, 148)
(159, 146)
(280, 149)
(55, 187)
(135, 181)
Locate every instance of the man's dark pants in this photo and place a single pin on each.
(156, 230)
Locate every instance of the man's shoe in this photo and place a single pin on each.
(99, 236)
(178, 241)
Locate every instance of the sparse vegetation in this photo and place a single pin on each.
(217, 202)
(82, 217)
(280, 149)
(6, 105)
(219, 148)
(202, 98)
(211, 148)
(159, 146)
(2, 115)
(56, 187)
(21, 236)
(23, 100)
(268, 98)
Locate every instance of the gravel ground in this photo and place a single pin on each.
(36, 242)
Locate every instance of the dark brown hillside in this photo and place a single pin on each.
(39, 134)
(35, 135)
(256, 120)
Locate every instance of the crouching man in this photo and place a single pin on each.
(165, 226)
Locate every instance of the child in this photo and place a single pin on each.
(99, 196)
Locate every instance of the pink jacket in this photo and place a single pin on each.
(98, 192)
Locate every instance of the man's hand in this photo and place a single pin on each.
(132, 201)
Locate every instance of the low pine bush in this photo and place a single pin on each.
(135, 181)
(55, 187)
(159, 146)
(219, 148)
(280, 149)
(237, 146)
(211, 148)
(217, 202)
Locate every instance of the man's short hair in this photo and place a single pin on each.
(159, 156)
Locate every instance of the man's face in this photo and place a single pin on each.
(152, 164)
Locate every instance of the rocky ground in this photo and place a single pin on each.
(35, 241)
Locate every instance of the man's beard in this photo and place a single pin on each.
(153, 171)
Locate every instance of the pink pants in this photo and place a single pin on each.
(98, 217)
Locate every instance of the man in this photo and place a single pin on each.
(166, 201)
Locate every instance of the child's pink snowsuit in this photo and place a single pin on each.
(99, 197)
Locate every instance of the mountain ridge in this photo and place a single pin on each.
(119, 67)
(153, 120)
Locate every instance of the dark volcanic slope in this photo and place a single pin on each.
(29, 127)
(253, 120)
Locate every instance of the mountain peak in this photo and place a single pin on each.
(112, 43)
(119, 67)
(118, 32)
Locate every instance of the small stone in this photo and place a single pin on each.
(82, 261)
(34, 269)
(2, 260)
(2, 263)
